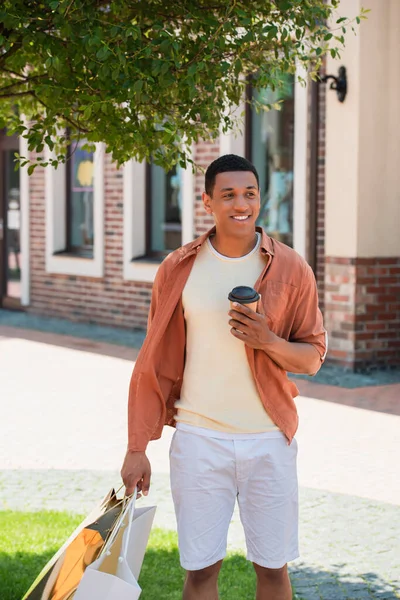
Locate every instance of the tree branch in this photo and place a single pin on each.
(16, 46)
(26, 81)
(16, 94)
(74, 124)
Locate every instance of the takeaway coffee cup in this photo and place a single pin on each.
(245, 295)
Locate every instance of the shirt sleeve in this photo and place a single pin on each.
(308, 323)
(156, 293)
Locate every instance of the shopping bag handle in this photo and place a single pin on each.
(127, 499)
(127, 534)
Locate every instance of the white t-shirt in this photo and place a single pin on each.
(218, 390)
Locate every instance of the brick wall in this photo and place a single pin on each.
(108, 301)
(362, 311)
(204, 154)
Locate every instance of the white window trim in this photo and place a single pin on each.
(301, 116)
(134, 182)
(56, 222)
(234, 142)
(25, 224)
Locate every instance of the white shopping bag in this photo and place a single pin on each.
(114, 575)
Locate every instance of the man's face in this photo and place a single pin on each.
(235, 203)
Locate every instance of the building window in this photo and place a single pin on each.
(270, 147)
(80, 200)
(164, 210)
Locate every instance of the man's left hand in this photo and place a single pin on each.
(251, 327)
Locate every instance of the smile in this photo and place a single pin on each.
(241, 218)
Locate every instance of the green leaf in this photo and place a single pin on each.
(164, 68)
(165, 45)
(103, 53)
(138, 85)
(192, 69)
(56, 63)
(121, 70)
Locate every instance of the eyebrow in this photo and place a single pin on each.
(230, 189)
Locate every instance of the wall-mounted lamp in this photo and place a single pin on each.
(339, 83)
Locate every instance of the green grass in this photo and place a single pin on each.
(29, 540)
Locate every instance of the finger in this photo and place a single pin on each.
(243, 309)
(129, 489)
(239, 325)
(242, 318)
(130, 484)
(146, 483)
(243, 337)
(239, 335)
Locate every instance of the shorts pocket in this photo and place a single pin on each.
(172, 443)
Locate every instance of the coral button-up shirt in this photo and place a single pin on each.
(290, 300)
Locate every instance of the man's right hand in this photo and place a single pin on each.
(136, 471)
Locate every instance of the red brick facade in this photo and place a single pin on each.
(204, 154)
(362, 311)
(110, 300)
(360, 297)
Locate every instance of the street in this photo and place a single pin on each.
(63, 437)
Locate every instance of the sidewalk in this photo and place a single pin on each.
(63, 435)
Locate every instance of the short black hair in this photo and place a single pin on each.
(224, 164)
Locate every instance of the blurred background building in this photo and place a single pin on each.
(84, 241)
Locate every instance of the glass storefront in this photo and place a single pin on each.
(13, 228)
(80, 196)
(272, 153)
(165, 210)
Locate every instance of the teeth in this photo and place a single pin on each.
(241, 218)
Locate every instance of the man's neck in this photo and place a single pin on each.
(233, 247)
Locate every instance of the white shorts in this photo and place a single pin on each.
(209, 473)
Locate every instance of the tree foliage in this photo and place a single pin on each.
(149, 77)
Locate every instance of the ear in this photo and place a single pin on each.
(207, 203)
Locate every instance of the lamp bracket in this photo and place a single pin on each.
(339, 83)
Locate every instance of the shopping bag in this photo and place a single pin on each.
(114, 575)
(59, 579)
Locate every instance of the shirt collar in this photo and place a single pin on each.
(267, 245)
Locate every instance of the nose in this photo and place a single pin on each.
(240, 203)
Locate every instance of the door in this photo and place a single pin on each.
(10, 224)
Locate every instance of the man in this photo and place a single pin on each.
(219, 375)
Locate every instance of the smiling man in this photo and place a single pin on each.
(220, 376)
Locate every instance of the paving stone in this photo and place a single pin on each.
(61, 447)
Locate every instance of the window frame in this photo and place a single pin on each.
(69, 249)
(58, 259)
(136, 265)
(154, 255)
(248, 143)
(235, 142)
